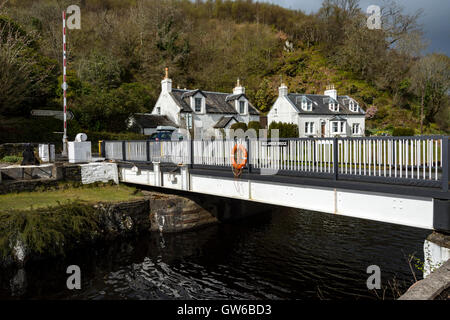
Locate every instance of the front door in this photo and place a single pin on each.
(323, 129)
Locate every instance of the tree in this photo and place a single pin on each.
(430, 81)
(264, 97)
(24, 73)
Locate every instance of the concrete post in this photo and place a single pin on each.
(157, 172)
(185, 178)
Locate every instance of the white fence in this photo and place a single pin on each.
(412, 158)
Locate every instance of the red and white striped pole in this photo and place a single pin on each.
(64, 86)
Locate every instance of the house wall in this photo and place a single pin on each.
(286, 113)
(318, 119)
(168, 108)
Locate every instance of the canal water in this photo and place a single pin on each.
(281, 254)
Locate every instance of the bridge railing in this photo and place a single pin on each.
(404, 160)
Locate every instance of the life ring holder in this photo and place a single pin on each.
(238, 166)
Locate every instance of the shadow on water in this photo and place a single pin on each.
(283, 254)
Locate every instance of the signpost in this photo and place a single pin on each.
(52, 113)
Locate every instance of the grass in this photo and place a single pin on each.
(49, 222)
(86, 194)
(11, 159)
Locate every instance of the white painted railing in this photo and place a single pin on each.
(113, 150)
(306, 155)
(408, 158)
(383, 158)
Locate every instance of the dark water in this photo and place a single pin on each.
(283, 254)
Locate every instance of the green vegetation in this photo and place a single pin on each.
(116, 61)
(403, 132)
(11, 159)
(239, 125)
(67, 193)
(52, 221)
(286, 130)
(47, 230)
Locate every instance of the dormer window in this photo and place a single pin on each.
(306, 104)
(333, 106)
(241, 107)
(354, 107)
(198, 104)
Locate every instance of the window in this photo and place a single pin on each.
(309, 127)
(334, 106)
(306, 104)
(356, 128)
(353, 106)
(337, 127)
(275, 111)
(158, 110)
(198, 104)
(241, 107)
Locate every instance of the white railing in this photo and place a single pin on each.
(215, 153)
(113, 150)
(408, 158)
(383, 158)
(305, 155)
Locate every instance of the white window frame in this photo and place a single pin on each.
(309, 127)
(340, 127)
(306, 104)
(239, 106)
(353, 106)
(334, 106)
(356, 125)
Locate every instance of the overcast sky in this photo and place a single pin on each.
(435, 19)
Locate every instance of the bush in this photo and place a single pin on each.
(239, 125)
(255, 125)
(95, 137)
(286, 130)
(402, 132)
(12, 159)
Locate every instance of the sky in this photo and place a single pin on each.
(435, 18)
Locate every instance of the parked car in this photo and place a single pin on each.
(165, 134)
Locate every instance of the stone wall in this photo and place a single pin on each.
(181, 211)
(11, 149)
(99, 172)
(26, 185)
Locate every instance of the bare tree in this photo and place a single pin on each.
(431, 79)
(17, 78)
(398, 24)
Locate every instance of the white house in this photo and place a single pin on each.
(206, 112)
(327, 115)
(147, 123)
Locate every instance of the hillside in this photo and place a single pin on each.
(116, 60)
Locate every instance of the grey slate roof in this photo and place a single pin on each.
(320, 104)
(147, 120)
(223, 122)
(216, 102)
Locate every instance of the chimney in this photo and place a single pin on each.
(331, 92)
(166, 83)
(238, 89)
(283, 90)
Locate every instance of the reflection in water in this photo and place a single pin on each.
(284, 254)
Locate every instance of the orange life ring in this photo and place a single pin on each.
(241, 164)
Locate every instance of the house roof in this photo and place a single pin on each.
(216, 102)
(223, 122)
(320, 104)
(147, 120)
